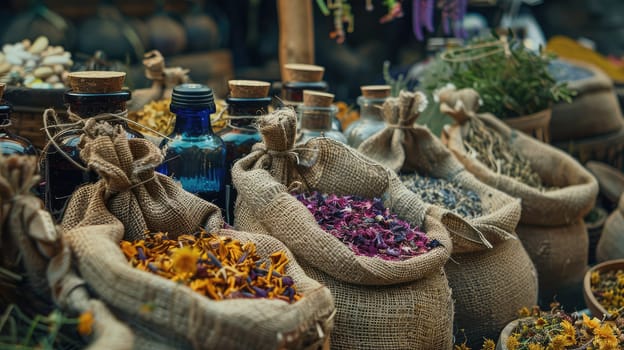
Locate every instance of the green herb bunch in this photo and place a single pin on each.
(511, 80)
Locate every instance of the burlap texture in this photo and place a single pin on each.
(489, 285)
(559, 255)
(611, 243)
(378, 289)
(165, 312)
(31, 245)
(577, 188)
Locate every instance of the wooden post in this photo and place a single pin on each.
(296, 32)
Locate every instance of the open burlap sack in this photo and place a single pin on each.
(611, 243)
(159, 310)
(549, 225)
(490, 284)
(576, 187)
(31, 248)
(381, 304)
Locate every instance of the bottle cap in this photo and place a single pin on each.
(303, 72)
(376, 91)
(193, 96)
(249, 88)
(317, 98)
(96, 81)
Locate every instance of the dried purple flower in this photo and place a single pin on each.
(366, 226)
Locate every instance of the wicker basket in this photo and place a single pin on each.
(28, 107)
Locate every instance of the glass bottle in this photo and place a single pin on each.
(292, 93)
(239, 136)
(194, 155)
(11, 143)
(371, 115)
(317, 122)
(61, 175)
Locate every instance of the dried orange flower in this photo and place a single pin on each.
(214, 266)
(85, 323)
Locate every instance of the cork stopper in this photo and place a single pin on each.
(376, 91)
(96, 81)
(2, 87)
(303, 72)
(249, 88)
(314, 98)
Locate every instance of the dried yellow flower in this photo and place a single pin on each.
(512, 342)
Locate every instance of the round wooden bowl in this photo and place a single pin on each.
(303, 72)
(376, 91)
(249, 88)
(596, 309)
(96, 81)
(317, 98)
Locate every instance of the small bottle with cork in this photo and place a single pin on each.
(248, 101)
(299, 77)
(316, 114)
(11, 143)
(371, 115)
(194, 155)
(96, 94)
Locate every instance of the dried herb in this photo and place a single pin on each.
(608, 288)
(491, 149)
(556, 329)
(214, 266)
(366, 226)
(447, 194)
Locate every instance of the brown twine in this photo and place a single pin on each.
(76, 128)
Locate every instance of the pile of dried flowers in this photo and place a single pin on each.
(557, 330)
(366, 226)
(215, 266)
(608, 288)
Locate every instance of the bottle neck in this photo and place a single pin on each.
(192, 122)
(245, 114)
(316, 118)
(371, 108)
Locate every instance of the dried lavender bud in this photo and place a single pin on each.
(446, 194)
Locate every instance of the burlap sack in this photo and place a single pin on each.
(560, 256)
(131, 198)
(577, 188)
(489, 284)
(611, 243)
(381, 304)
(549, 225)
(30, 246)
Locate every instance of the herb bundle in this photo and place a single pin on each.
(366, 226)
(447, 194)
(608, 288)
(214, 266)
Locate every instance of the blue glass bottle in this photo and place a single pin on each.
(239, 137)
(11, 143)
(194, 155)
(62, 177)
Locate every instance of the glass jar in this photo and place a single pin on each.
(292, 94)
(239, 136)
(370, 122)
(194, 155)
(61, 176)
(317, 122)
(11, 143)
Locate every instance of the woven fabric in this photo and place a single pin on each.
(611, 245)
(489, 283)
(413, 290)
(559, 254)
(577, 188)
(130, 199)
